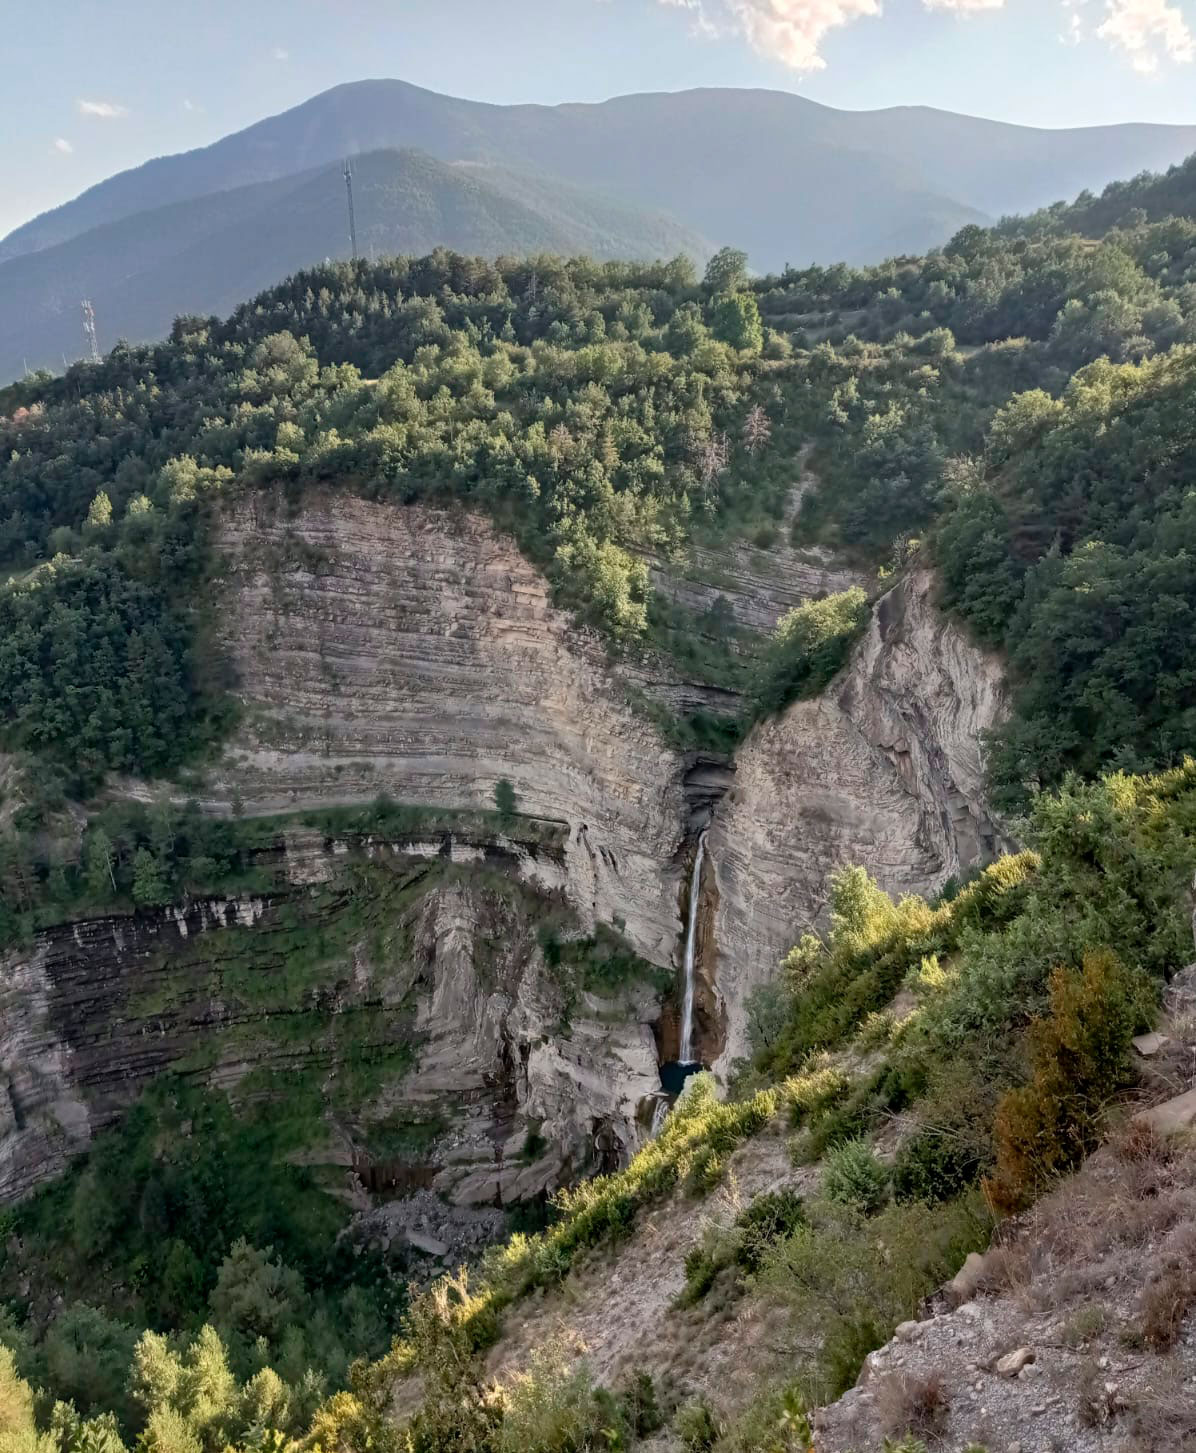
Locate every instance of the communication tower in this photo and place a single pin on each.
(352, 215)
(89, 329)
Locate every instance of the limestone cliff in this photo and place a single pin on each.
(415, 652)
(392, 998)
(883, 770)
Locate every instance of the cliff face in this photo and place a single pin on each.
(393, 998)
(408, 651)
(415, 652)
(883, 770)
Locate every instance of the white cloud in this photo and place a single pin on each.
(793, 31)
(279, 54)
(61, 144)
(790, 31)
(105, 110)
(1148, 31)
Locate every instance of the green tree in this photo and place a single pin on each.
(149, 880)
(256, 1296)
(87, 1356)
(98, 872)
(99, 512)
(735, 319)
(504, 798)
(726, 272)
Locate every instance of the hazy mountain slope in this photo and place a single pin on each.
(1146, 197)
(800, 180)
(208, 254)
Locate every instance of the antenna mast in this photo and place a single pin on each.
(89, 330)
(352, 215)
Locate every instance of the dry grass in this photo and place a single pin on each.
(908, 1404)
(1099, 1401)
(1137, 1193)
(1170, 1294)
(1164, 1417)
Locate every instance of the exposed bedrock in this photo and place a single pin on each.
(393, 991)
(882, 770)
(415, 651)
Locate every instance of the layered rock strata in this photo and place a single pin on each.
(416, 652)
(393, 985)
(883, 770)
(411, 651)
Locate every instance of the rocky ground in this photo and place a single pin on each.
(425, 1234)
(1073, 1335)
(618, 1310)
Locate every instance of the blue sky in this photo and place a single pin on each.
(93, 86)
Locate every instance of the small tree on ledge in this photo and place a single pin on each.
(504, 798)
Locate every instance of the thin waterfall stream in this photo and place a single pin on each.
(686, 1056)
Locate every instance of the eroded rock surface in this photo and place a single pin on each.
(415, 651)
(883, 770)
(419, 1001)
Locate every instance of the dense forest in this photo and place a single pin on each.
(1018, 404)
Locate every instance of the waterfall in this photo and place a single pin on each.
(660, 1113)
(691, 945)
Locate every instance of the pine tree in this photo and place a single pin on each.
(149, 881)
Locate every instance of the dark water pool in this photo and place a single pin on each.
(674, 1075)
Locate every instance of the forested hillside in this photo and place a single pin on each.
(1016, 410)
(208, 254)
(858, 183)
(601, 411)
(201, 231)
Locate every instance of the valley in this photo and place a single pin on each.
(581, 838)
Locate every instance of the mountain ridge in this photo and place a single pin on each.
(477, 130)
(206, 254)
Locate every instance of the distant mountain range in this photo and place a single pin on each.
(648, 175)
(211, 253)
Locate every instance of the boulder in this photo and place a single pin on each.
(427, 1244)
(1172, 1116)
(1013, 1362)
(968, 1280)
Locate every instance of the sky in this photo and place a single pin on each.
(94, 86)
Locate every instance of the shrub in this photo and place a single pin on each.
(768, 1219)
(813, 1091)
(911, 1404)
(952, 1146)
(933, 1166)
(505, 800)
(697, 1426)
(1080, 1058)
(847, 1280)
(1169, 1295)
(552, 1408)
(854, 1177)
(641, 1410)
(777, 1420)
(1084, 1324)
(809, 647)
(702, 1266)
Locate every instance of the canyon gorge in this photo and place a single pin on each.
(413, 653)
